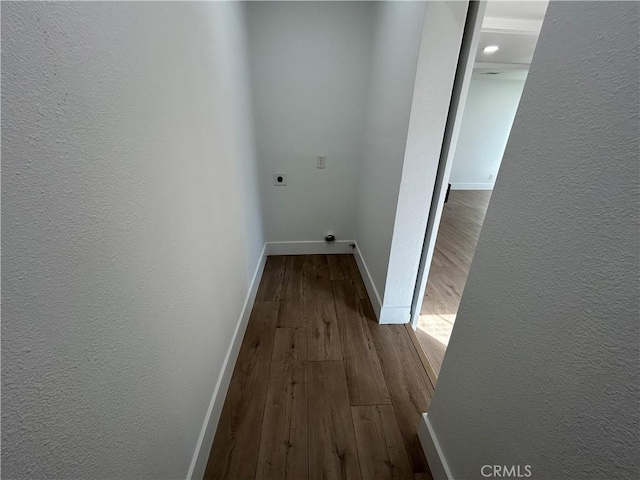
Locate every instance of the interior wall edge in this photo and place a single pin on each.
(432, 451)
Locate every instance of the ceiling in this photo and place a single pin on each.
(524, 10)
(514, 27)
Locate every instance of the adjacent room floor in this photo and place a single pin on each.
(462, 219)
(320, 390)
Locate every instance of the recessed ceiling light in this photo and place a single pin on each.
(491, 49)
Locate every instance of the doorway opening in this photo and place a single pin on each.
(499, 42)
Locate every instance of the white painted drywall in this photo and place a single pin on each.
(486, 123)
(310, 63)
(333, 78)
(440, 46)
(542, 366)
(398, 29)
(131, 229)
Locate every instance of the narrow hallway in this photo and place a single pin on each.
(320, 390)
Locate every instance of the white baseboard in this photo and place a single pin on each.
(435, 458)
(372, 291)
(309, 247)
(205, 441)
(472, 186)
(395, 315)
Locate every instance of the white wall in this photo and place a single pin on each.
(398, 28)
(131, 229)
(334, 78)
(542, 366)
(486, 123)
(439, 51)
(310, 64)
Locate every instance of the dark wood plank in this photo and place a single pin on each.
(316, 259)
(344, 267)
(407, 380)
(354, 274)
(270, 289)
(291, 312)
(336, 267)
(235, 448)
(320, 312)
(380, 447)
(364, 375)
(284, 443)
(332, 445)
(272, 428)
(343, 261)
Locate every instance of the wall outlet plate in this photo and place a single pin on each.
(280, 179)
(321, 161)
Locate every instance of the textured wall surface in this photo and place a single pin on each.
(131, 229)
(398, 29)
(542, 367)
(310, 63)
(486, 124)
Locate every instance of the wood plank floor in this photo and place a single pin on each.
(320, 390)
(460, 227)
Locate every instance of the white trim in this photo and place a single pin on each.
(516, 26)
(500, 66)
(309, 247)
(208, 431)
(472, 186)
(395, 315)
(372, 291)
(432, 451)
